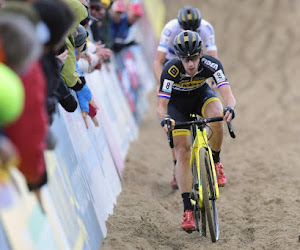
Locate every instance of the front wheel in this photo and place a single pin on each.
(195, 195)
(209, 194)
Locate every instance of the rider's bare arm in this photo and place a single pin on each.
(162, 108)
(228, 99)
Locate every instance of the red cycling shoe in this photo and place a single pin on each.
(188, 221)
(220, 174)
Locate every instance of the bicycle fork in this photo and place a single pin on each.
(202, 142)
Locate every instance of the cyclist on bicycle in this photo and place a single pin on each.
(183, 90)
(188, 18)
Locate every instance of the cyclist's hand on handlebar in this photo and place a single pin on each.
(228, 114)
(168, 124)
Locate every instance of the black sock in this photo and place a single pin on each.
(216, 156)
(187, 205)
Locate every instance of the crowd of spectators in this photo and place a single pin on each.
(46, 48)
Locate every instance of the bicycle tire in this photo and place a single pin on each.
(195, 195)
(209, 198)
(199, 213)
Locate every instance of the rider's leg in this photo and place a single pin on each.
(184, 179)
(183, 171)
(213, 109)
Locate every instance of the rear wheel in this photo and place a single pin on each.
(209, 195)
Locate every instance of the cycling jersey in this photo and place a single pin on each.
(172, 29)
(174, 78)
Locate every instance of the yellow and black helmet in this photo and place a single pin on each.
(189, 18)
(187, 43)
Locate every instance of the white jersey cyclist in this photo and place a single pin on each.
(172, 29)
(188, 18)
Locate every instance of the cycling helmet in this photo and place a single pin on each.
(189, 18)
(187, 43)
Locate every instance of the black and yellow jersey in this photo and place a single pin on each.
(175, 79)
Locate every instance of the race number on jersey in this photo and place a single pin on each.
(219, 76)
(167, 86)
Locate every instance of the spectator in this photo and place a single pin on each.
(20, 34)
(101, 30)
(85, 22)
(84, 95)
(19, 40)
(68, 73)
(92, 58)
(119, 26)
(11, 106)
(121, 21)
(59, 18)
(134, 13)
(34, 118)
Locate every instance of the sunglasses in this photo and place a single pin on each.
(192, 58)
(95, 7)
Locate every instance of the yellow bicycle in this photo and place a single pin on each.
(205, 190)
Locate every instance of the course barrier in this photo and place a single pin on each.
(85, 168)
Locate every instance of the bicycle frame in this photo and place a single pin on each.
(199, 142)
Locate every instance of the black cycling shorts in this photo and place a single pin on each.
(183, 103)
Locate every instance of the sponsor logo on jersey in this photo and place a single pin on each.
(173, 71)
(190, 84)
(210, 63)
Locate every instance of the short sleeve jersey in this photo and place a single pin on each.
(172, 29)
(175, 79)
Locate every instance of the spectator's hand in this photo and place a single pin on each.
(104, 53)
(86, 56)
(99, 43)
(85, 119)
(95, 121)
(94, 104)
(63, 56)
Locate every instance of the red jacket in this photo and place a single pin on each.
(29, 131)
